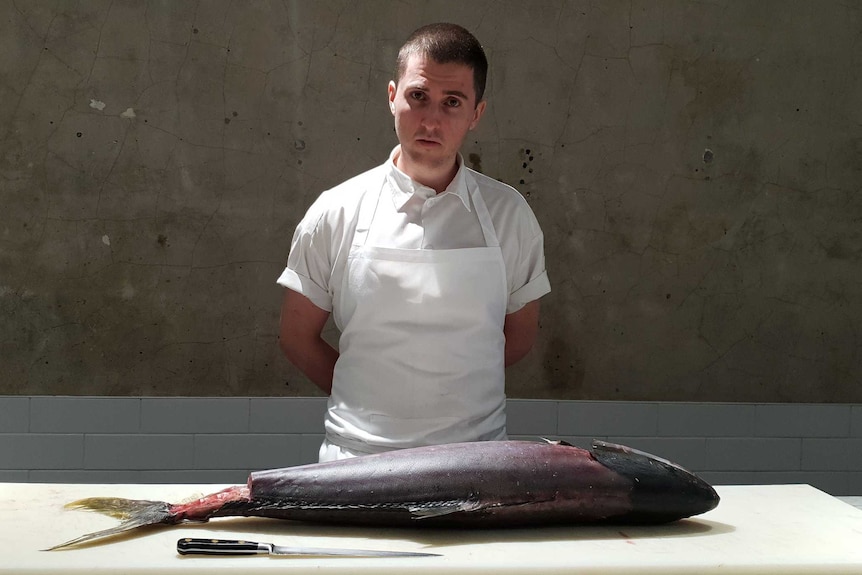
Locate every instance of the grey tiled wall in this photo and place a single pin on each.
(219, 440)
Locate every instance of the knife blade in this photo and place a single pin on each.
(194, 546)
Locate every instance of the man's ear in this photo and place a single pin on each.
(477, 114)
(392, 89)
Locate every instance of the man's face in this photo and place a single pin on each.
(434, 107)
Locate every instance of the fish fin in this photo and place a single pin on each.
(600, 447)
(440, 508)
(557, 442)
(137, 513)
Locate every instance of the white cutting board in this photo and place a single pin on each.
(790, 529)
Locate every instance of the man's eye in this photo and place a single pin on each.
(453, 102)
(417, 95)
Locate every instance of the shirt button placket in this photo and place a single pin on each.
(426, 206)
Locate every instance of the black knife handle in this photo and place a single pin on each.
(191, 546)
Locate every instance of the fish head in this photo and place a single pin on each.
(661, 491)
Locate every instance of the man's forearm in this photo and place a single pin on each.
(520, 329)
(299, 337)
(316, 360)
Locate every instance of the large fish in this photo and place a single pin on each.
(483, 484)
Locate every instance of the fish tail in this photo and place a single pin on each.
(135, 513)
(116, 507)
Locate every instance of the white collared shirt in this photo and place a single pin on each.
(412, 216)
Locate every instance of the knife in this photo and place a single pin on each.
(191, 546)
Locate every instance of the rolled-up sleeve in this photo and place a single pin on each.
(536, 288)
(528, 278)
(309, 267)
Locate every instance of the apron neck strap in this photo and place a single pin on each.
(484, 215)
(367, 209)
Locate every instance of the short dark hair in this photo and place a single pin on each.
(445, 43)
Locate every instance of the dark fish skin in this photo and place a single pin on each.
(482, 484)
(662, 491)
(486, 484)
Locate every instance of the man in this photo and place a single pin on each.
(432, 272)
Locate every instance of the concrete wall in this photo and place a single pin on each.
(696, 167)
(219, 440)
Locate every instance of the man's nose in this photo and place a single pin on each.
(431, 117)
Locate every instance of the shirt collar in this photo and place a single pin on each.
(404, 187)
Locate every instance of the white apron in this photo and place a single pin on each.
(422, 345)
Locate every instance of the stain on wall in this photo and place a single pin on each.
(696, 168)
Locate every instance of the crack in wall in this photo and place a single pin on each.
(206, 130)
